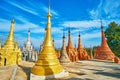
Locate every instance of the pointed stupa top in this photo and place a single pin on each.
(64, 57)
(79, 41)
(10, 40)
(28, 38)
(49, 16)
(69, 40)
(103, 42)
(64, 43)
(47, 63)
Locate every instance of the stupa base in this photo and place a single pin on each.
(60, 75)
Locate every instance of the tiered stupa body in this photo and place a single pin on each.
(104, 52)
(82, 53)
(28, 53)
(63, 56)
(10, 54)
(47, 65)
(72, 53)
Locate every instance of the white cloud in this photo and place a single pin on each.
(82, 24)
(91, 35)
(56, 30)
(107, 9)
(86, 39)
(53, 12)
(5, 25)
(23, 7)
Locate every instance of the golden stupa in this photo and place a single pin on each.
(47, 65)
(10, 54)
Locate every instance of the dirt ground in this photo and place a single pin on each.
(84, 70)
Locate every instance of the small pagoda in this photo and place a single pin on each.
(72, 53)
(64, 59)
(82, 53)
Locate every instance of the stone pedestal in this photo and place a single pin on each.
(60, 75)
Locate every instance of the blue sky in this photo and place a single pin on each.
(79, 15)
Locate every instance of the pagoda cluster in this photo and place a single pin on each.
(76, 54)
(47, 64)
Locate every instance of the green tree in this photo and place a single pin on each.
(112, 34)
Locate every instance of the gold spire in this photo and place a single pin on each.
(49, 16)
(47, 64)
(10, 41)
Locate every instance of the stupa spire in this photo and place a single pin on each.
(79, 41)
(10, 40)
(64, 57)
(82, 53)
(64, 43)
(49, 16)
(28, 39)
(47, 65)
(103, 42)
(69, 39)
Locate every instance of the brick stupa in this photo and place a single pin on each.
(103, 52)
(82, 53)
(72, 53)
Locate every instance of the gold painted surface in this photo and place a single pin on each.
(47, 64)
(10, 54)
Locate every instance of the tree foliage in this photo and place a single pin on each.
(112, 34)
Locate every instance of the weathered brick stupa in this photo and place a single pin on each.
(72, 53)
(63, 56)
(103, 52)
(82, 53)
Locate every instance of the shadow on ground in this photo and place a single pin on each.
(27, 70)
(110, 74)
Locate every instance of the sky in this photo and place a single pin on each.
(78, 15)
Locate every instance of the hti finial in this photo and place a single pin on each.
(28, 29)
(49, 9)
(12, 20)
(68, 28)
(63, 33)
(79, 34)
